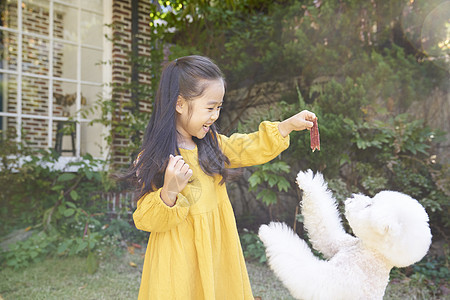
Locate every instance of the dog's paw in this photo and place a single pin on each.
(263, 230)
(306, 180)
(264, 234)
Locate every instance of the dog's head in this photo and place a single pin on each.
(391, 223)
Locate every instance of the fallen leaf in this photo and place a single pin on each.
(136, 245)
(130, 249)
(133, 264)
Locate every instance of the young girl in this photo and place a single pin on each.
(194, 250)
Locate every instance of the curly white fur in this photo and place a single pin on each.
(391, 230)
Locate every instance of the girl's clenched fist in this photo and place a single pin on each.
(176, 178)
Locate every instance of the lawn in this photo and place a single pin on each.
(118, 277)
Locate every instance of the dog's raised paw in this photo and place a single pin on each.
(263, 230)
(305, 179)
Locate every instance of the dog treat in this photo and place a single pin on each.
(314, 135)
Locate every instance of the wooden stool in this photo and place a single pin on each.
(60, 133)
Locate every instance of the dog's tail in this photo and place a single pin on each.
(291, 259)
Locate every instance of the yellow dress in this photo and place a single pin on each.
(194, 250)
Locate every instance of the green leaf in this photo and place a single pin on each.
(63, 247)
(254, 180)
(268, 196)
(34, 254)
(81, 246)
(57, 188)
(88, 156)
(70, 204)
(284, 167)
(68, 212)
(92, 263)
(272, 180)
(89, 174)
(283, 185)
(97, 176)
(74, 195)
(66, 177)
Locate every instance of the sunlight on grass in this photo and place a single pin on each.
(118, 277)
(68, 279)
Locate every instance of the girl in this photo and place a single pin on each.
(194, 250)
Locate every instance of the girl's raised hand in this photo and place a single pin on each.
(176, 178)
(301, 121)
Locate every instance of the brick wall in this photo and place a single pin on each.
(121, 68)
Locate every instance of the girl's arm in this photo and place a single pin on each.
(154, 215)
(165, 208)
(268, 142)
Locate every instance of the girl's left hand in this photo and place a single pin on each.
(301, 121)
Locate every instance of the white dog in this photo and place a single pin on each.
(391, 229)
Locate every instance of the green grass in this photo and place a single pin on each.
(67, 278)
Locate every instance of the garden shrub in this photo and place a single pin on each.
(64, 210)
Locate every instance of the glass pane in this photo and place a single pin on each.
(64, 99)
(35, 55)
(65, 60)
(91, 95)
(34, 96)
(92, 136)
(8, 127)
(8, 50)
(65, 22)
(35, 16)
(8, 93)
(91, 68)
(92, 139)
(8, 14)
(96, 5)
(91, 29)
(64, 137)
(35, 132)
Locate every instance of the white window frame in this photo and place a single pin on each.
(107, 70)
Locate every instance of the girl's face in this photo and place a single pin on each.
(195, 118)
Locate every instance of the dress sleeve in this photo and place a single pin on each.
(256, 148)
(153, 215)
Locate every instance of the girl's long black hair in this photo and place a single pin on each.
(187, 77)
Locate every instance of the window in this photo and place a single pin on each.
(50, 69)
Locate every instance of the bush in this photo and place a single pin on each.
(63, 210)
(252, 246)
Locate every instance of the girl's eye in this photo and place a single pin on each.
(212, 108)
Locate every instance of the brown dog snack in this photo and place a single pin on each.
(314, 135)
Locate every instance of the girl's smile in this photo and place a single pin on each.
(197, 115)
